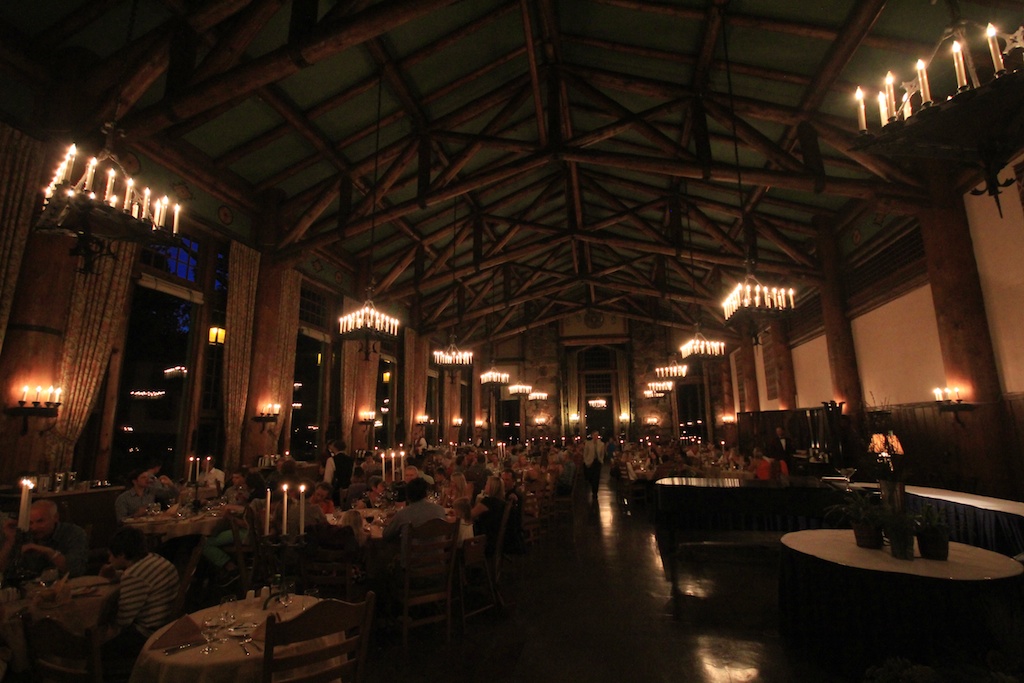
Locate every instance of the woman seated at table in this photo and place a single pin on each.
(488, 510)
(354, 520)
(766, 468)
(457, 488)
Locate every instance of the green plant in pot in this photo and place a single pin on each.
(864, 515)
(932, 534)
(899, 527)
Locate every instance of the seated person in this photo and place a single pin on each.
(139, 496)
(238, 494)
(50, 543)
(374, 496)
(356, 489)
(322, 498)
(416, 511)
(354, 520)
(149, 585)
(488, 511)
(767, 468)
(211, 476)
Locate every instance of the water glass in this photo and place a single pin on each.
(227, 610)
(211, 625)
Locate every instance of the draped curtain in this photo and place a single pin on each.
(415, 385)
(21, 167)
(243, 270)
(282, 382)
(572, 386)
(623, 375)
(96, 320)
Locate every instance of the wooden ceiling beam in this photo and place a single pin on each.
(279, 63)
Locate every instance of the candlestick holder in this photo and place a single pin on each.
(956, 407)
(24, 410)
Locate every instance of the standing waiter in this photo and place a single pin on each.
(593, 459)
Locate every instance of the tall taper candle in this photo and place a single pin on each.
(284, 509)
(26, 503)
(958, 66)
(922, 83)
(266, 516)
(993, 49)
(302, 509)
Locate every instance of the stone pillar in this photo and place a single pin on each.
(783, 365)
(842, 357)
(965, 340)
(746, 368)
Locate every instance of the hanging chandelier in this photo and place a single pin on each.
(597, 403)
(753, 297)
(367, 323)
(77, 208)
(520, 389)
(701, 348)
(672, 370)
(651, 393)
(661, 387)
(493, 378)
(537, 396)
(977, 125)
(452, 356)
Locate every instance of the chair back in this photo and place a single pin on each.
(60, 655)
(499, 546)
(331, 570)
(327, 642)
(428, 552)
(187, 574)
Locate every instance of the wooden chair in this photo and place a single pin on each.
(475, 577)
(327, 642)
(187, 573)
(428, 554)
(60, 655)
(331, 571)
(245, 549)
(498, 560)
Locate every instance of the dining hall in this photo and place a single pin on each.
(512, 339)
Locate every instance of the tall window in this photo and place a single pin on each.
(306, 404)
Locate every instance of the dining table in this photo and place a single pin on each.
(853, 607)
(176, 652)
(87, 602)
(170, 524)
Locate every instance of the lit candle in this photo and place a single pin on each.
(110, 184)
(284, 510)
(24, 393)
(145, 204)
(90, 172)
(394, 471)
(993, 49)
(938, 394)
(69, 163)
(947, 393)
(177, 217)
(958, 65)
(266, 516)
(39, 390)
(922, 83)
(191, 461)
(128, 185)
(302, 509)
(383, 468)
(163, 211)
(883, 109)
(49, 394)
(26, 502)
(956, 391)
(907, 111)
(862, 116)
(890, 94)
(56, 395)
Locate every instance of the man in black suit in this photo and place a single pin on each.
(781, 447)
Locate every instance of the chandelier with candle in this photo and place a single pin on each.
(493, 378)
(452, 356)
(519, 389)
(979, 124)
(672, 370)
(537, 396)
(597, 403)
(651, 393)
(701, 348)
(74, 204)
(663, 387)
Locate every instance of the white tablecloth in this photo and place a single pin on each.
(965, 563)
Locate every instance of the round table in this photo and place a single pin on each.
(853, 607)
(226, 664)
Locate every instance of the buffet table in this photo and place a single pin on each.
(853, 607)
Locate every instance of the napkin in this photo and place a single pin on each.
(182, 631)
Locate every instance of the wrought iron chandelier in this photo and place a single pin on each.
(597, 403)
(663, 387)
(520, 389)
(537, 396)
(673, 370)
(452, 356)
(493, 378)
(701, 348)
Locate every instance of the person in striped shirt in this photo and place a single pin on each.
(149, 585)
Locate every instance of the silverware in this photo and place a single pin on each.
(241, 644)
(179, 648)
(248, 640)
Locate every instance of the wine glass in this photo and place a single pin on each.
(847, 474)
(287, 593)
(211, 625)
(227, 610)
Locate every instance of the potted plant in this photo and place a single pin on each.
(899, 529)
(932, 534)
(864, 516)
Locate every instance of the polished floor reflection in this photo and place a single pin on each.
(601, 609)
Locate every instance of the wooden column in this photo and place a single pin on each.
(33, 346)
(842, 357)
(783, 365)
(746, 368)
(965, 341)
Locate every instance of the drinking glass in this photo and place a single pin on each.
(227, 610)
(286, 594)
(211, 625)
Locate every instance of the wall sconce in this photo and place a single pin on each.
(268, 413)
(217, 336)
(367, 417)
(422, 419)
(540, 420)
(44, 404)
(728, 419)
(574, 417)
(623, 417)
(949, 401)
(479, 423)
(385, 377)
(652, 421)
(456, 421)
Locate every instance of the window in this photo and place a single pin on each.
(313, 308)
(177, 261)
